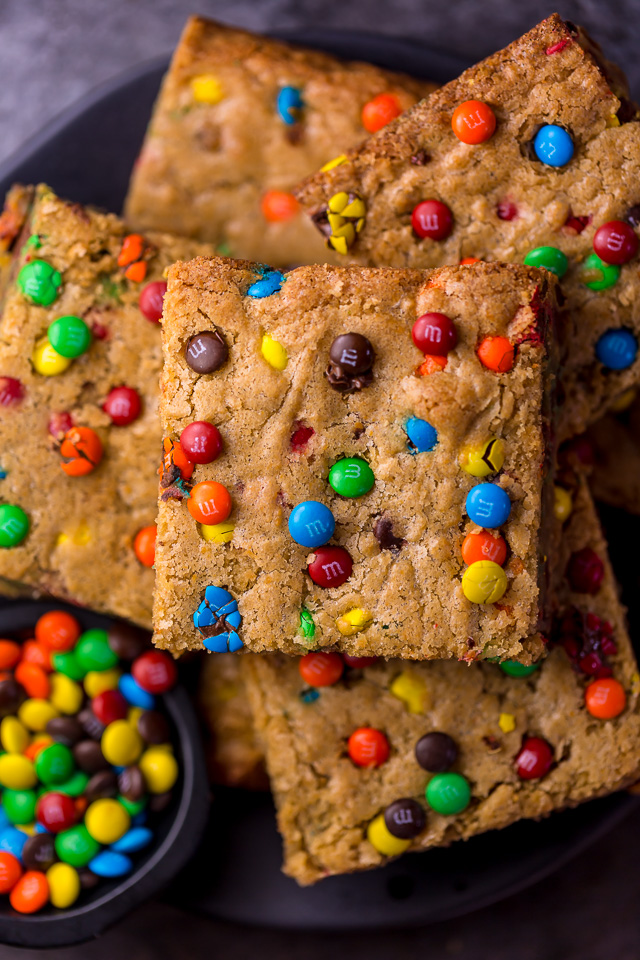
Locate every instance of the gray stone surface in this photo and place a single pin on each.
(53, 51)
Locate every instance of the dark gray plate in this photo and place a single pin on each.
(86, 154)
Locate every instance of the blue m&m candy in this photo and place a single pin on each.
(134, 694)
(270, 282)
(422, 437)
(289, 105)
(553, 145)
(109, 864)
(617, 349)
(488, 505)
(311, 524)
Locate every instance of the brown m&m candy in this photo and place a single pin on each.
(404, 818)
(101, 785)
(131, 784)
(12, 695)
(127, 641)
(153, 727)
(436, 752)
(65, 730)
(206, 351)
(39, 852)
(351, 358)
(89, 757)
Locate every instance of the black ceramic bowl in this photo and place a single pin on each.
(178, 829)
(87, 154)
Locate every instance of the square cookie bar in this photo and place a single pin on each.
(345, 494)
(80, 358)
(234, 757)
(240, 119)
(368, 760)
(532, 156)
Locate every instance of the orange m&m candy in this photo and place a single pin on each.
(277, 206)
(473, 122)
(431, 364)
(483, 546)
(209, 503)
(30, 893)
(468, 260)
(605, 698)
(132, 249)
(57, 630)
(380, 111)
(321, 669)
(34, 652)
(496, 353)
(144, 545)
(81, 450)
(136, 272)
(368, 747)
(33, 679)
(10, 871)
(173, 456)
(10, 653)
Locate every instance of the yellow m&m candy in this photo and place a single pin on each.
(384, 842)
(274, 353)
(484, 582)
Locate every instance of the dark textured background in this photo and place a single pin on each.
(54, 51)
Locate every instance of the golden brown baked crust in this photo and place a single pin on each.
(414, 594)
(204, 167)
(325, 802)
(234, 758)
(79, 546)
(552, 75)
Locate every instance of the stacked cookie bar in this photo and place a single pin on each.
(412, 620)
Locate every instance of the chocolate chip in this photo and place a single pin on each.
(90, 723)
(131, 784)
(420, 158)
(350, 360)
(65, 730)
(383, 532)
(39, 852)
(160, 801)
(206, 351)
(102, 784)
(127, 641)
(12, 695)
(436, 752)
(405, 819)
(153, 727)
(633, 215)
(89, 757)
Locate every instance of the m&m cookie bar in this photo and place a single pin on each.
(79, 365)
(356, 459)
(532, 156)
(370, 759)
(240, 120)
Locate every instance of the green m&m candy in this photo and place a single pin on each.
(68, 664)
(351, 477)
(39, 282)
(307, 626)
(75, 785)
(69, 336)
(19, 805)
(598, 275)
(54, 764)
(76, 846)
(550, 258)
(448, 793)
(133, 807)
(14, 525)
(514, 669)
(93, 651)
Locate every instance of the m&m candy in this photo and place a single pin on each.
(69, 336)
(615, 242)
(434, 333)
(488, 505)
(421, 436)
(484, 582)
(331, 567)
(311, 524)
(617, 349)
(351, 477)
(535, 759)
(201, 442)
(473, 122)
(432, 219)
(448, 793)
(553, 145)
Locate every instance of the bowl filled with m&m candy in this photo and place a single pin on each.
(103, 793)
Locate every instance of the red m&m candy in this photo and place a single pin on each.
(615, 242)
(201, 442)
(154, 671)
(585, 571)
(535, 759)
(435, 334)
(368, 747)
(151, 299)
(122, 405)
(330, 567)
(432, 219)
(11, 391)
(109, 706)
(359, 663)
(321, 669)
(56, 811)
